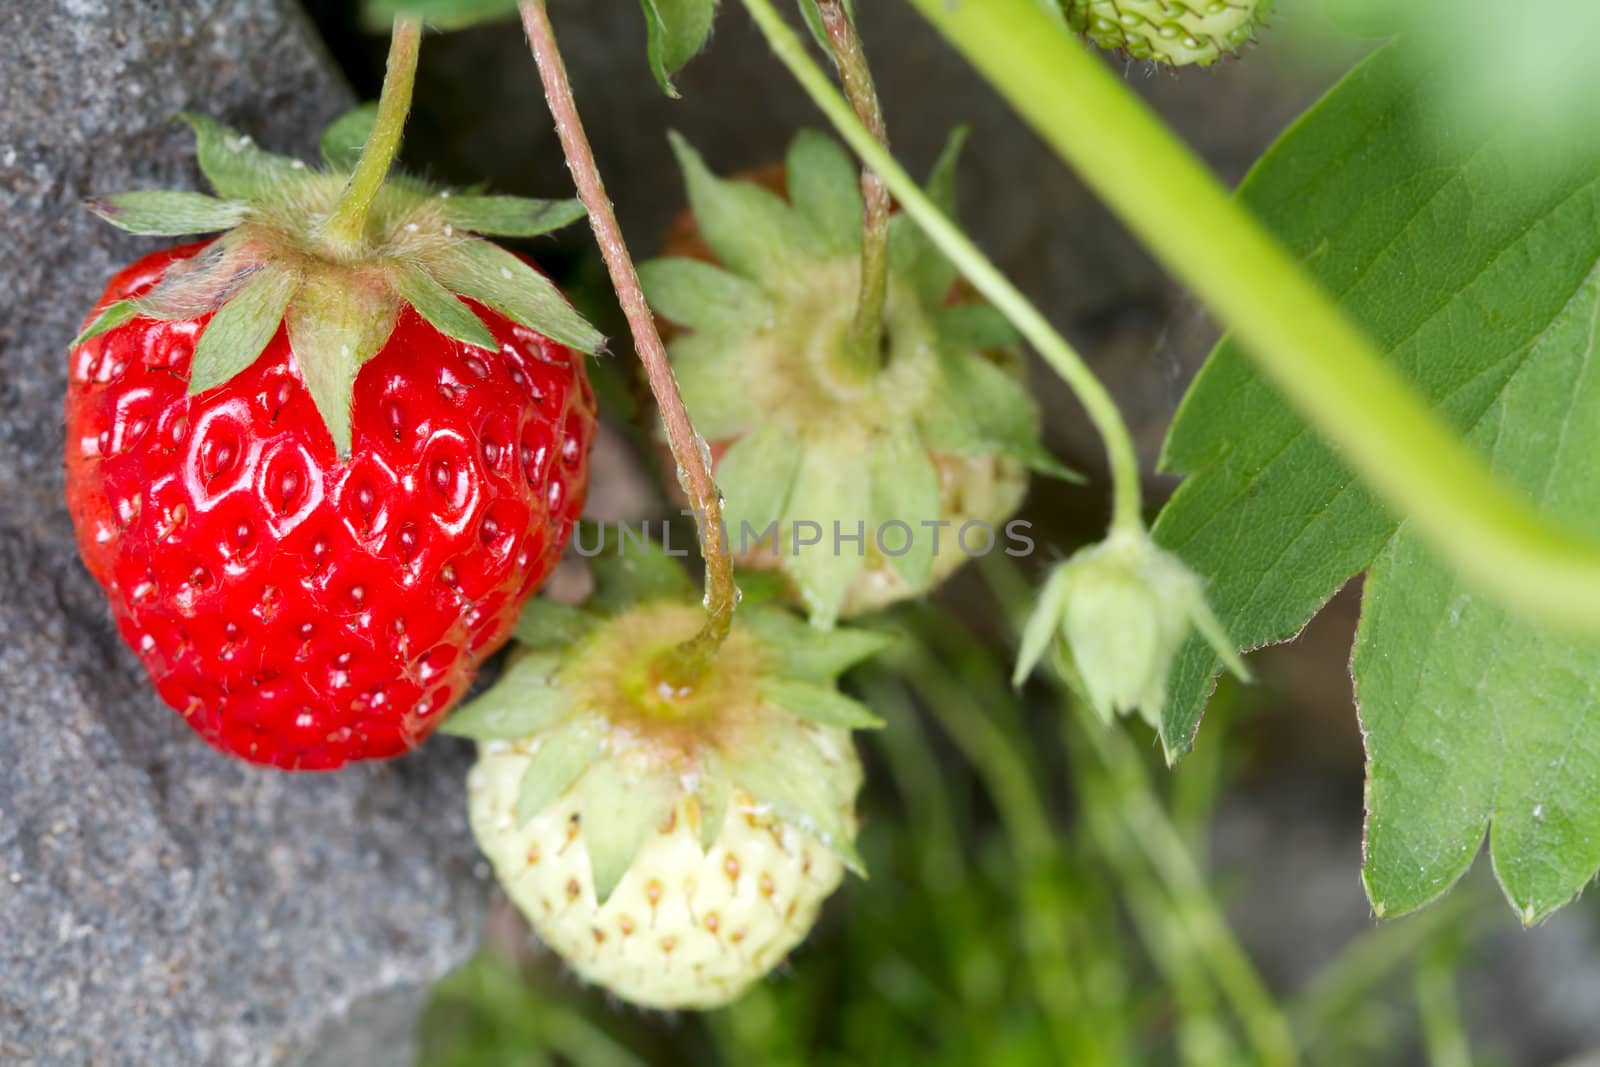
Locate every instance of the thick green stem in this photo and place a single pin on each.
(866, 330)
(977, 269)
(346, 229)
(688, 662)
(1321, 361)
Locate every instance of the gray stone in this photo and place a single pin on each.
(159, 903)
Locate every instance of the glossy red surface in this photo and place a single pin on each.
(300, 611)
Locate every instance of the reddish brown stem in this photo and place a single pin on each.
(856, 78)
(694, 469)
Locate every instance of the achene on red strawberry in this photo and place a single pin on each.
(318, 480)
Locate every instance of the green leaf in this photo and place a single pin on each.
(562, 754)
(490, 275)
(808, 654)
(109, 319)
(509, 216)
(675, 31)
(167, 212)
(756, 476)
(1478, 279)
(442, 309)
(905, 489)
(701, 296)
(445, 14)
(232, 163)
(751, 229)
(979, 326)
(241, 329)
(831, 493)
(629, 568)
(784, 768)
(347, 135)
(820, 703)
(335, 327)
(620, 810)
(546, 623)
(825, 187)
(525, 701)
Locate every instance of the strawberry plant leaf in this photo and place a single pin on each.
(232, 163)
(818, 703)
(1477, 277)
(167, 212)
(442, 309)
(346, 136)
(490, 275)
(525, 701)
(241, 329)
(675, 31)
(825, 187)
(696, 294)
(444, 14)
(509, 216)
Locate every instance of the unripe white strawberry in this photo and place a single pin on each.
(1176, 32)
(671, 836)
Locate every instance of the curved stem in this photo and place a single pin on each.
(977, 269)
(345, 230)
(690, 659)
(856, 76)
(1321, 361)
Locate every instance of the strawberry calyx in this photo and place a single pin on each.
(766, 359)
(765, 724)
(1174, 32)
(276, 263)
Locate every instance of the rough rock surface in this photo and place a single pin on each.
(158, 903)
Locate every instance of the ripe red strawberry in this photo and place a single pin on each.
(311, 571)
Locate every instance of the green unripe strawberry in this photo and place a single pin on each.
(1175, 32)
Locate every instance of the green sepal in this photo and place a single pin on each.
(109, 319)
(974, 326)
(756, 476)
(822, 496)
(696, 294)
(546, 623)
(715, 388)
(620, 811)
(759, 589)
(941, 186)
(808, 654)
(714, 793)
(526, 700)
(905, 488)
(825, 187)
(912, 254)
(751, 229)
(1043, 628)
(785, 769)
(818, 703)
(490, 275)
(983, 410)
(560, 756)
(442, 309)
(167, 212)
(335, 327)
(675, 31)
(509, 216)
(232, 163)
(346, 136)
(629, 571)
(242, 328)
(444, 14)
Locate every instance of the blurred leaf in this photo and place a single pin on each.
(676, 30)
(445, 14)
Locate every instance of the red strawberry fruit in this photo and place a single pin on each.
(318, 479)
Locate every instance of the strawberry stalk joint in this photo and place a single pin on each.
(319, 462)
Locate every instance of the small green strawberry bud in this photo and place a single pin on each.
(1117, 614)
(1176, 32)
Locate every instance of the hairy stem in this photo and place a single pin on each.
(866, 329)
(690, 660)
(973, 265)
(1321, 361)
(345, 231)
